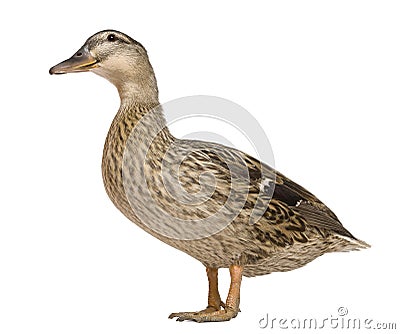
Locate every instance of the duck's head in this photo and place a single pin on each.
(118, 58)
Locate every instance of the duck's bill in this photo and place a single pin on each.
(81, 61)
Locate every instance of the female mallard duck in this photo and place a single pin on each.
(176, 189)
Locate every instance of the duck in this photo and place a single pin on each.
(216, 203)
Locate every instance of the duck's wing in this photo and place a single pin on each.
(289, 205)
(293, 202)
(298, 201)
(301, 202)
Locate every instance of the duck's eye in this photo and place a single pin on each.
(111, 38)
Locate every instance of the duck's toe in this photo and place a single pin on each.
(207, 315)
(181, 315)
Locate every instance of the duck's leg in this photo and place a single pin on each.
(212, 313)
(214, 299)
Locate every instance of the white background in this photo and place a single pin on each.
(321, 77)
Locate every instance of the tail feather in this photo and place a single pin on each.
(353, 243)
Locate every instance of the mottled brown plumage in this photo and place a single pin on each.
(175, 189)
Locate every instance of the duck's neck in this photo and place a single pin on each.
(149, 115)
(138, 93)
(138, 85)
